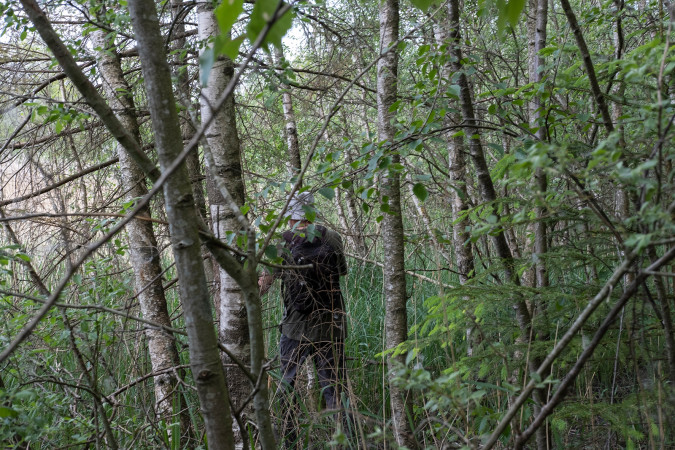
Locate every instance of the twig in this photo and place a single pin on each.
(606, 323)
(51, 187)
(412, 274)
(89, 214)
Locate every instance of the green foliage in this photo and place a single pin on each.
(267, 12)
(457, 398)
(424, 5)
(264, 12)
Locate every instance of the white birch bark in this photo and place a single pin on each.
(537, 22)
(183, 226)
(179, 12)
(290, 126)
(396, 318)
(143, 251)
(223, 141)
(463, 253)
(537, 34)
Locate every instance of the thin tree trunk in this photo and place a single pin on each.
(223, 142)
(463, 254)
(396, 318)
(183, 225)
(588, 65)
(290, 128)
(179, 11)
(537, 41)
(143, 251)
(485, 185)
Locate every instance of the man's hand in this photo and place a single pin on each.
(265, 281)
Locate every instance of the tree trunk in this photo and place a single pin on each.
(290, 129)
(143, 251)
(538, 19)
(485, 185)
(223, 142)
(588, 65)
(181, 213)
(396, 318)
(187, 125)
(463, 254)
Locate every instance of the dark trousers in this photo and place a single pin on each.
(329, 359)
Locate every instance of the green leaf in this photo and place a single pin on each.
(263, 12)
(26, 395)
(310, 213)
(7, 412)
(206, 60)
(327, 192)
(227, 13)
(453, 90)
(271, 251)
(513, 10)
(23, 256)
(509, 13)
(231, 47)
(420, 191)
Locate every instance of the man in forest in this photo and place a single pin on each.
(313, 325)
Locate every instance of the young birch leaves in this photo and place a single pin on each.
(227, 13)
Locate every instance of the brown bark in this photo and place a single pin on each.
(183, 225)
(143, 251)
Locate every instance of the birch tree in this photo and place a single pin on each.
(222, 142)
(144, 254)
(396, 320)
(290, 128)
(204, 356)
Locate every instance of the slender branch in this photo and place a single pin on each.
(86, 88)
(133, 383)
(560, 392)
(592, 305)
(15, 132)
(51, 187)
(588, 65)
(88, 214)
(408, 272)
